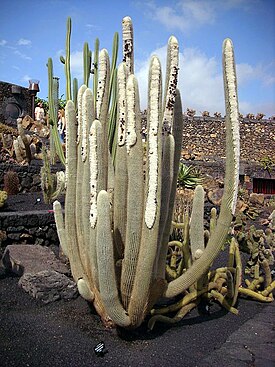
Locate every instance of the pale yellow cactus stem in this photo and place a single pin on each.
(197, 223)
(121, 176)
(80, 171)
(135, 191)
(88, 118)
(102, 105)
(141, 290)
(105, 258)
(70, 200)
(218, 238)
(58, 217)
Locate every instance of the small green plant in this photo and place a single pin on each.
(268, 164)
(3, 198)
(189, 177)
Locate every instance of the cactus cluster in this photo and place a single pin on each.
(118, 217)
(11, 183)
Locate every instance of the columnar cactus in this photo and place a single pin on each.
(118, 221)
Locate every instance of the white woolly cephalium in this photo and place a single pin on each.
(87, 113)
(93, 173)
(121, 82)
(172, 79)
(128, 44)
(131, 136)
(153, 123)
(102, 89)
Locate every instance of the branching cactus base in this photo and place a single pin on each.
(117, 221)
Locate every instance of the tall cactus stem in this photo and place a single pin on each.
(141, 288)
(135, 192)
(105, 256)
(218, 238)
(197, 223)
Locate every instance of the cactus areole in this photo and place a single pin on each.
(117, 219)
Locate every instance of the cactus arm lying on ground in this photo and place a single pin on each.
(231, 180)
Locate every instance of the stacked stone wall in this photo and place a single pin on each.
(204, 139)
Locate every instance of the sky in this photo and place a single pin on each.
(32, 31)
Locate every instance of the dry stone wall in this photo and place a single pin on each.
(204, 139)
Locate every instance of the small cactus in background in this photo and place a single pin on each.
(190, 112)
(52, 184)
(3, 198)
(11, 183)
(188, 177)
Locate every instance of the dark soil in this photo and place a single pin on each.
(27, 202)
(65, 334)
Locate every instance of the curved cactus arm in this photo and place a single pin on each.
(135, 191)
(218, 238)
(177, 133)
(105, 258)
(121, 174)
(84, 290)
(70, 200)
(128, 44)
(196, 223)
(148, 249)
(59, 220)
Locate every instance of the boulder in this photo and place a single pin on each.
(49, 286)
(256, 199)
(21, 259)
(215, 196)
